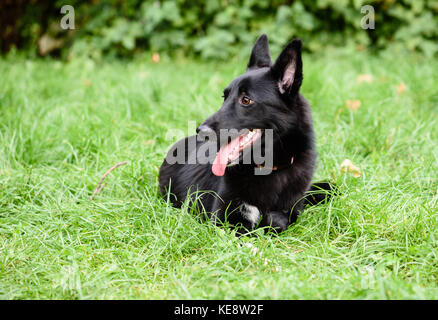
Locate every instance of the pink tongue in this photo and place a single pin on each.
(221, 160)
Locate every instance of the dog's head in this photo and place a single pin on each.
(262, 98)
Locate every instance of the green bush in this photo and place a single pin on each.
(219, 29)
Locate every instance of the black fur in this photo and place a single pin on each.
(279, 196)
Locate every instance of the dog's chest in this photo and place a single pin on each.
(264, 193)
(250, 213)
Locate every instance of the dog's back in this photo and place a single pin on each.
(181, 178)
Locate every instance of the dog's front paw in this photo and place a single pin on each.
(277, 221)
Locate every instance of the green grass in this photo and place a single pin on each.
(63, 125)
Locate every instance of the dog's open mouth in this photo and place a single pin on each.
(231, 151)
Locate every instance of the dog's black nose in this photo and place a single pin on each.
(204, 129)
(205, 132)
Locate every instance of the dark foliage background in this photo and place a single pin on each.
(213, 29)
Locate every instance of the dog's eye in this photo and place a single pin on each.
(246, 101)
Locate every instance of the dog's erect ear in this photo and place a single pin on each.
(260, 56)
(288, 68)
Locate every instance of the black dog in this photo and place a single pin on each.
(265, 97)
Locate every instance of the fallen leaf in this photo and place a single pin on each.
(87, 83)
(364, 78)
(352, 104)
(401, 88)
(47, 44)
(349, 167)
(360, 47)
(155, 57)
(147, 142)
(384, 78)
